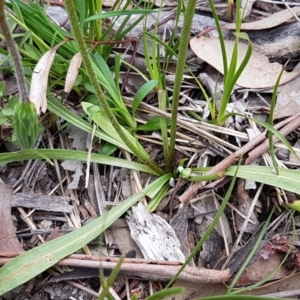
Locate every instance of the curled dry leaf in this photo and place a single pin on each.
(39, 80)
(259, 72)
(73, 70)
(274, 20)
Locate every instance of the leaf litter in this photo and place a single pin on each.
(259, 72)
(107, 183)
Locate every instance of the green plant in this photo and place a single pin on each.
(116, 122)
(232, 71)
(25, 119)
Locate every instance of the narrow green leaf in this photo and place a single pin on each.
(81, 13)
(17, 11)
(72, 155)
(271, 116)
(166, 292)
(153, 124)
(241, 297)
(287, 179)
(142, 93)
(33, 262)
(58, 109)
(221, 37)
(118, 13)
(104, 74)
(2, 88)
(100, 118)
(32, 52)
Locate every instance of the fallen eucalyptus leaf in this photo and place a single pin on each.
(259, 72)
(273, 20)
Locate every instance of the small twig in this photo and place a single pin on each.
(142, 268)
(229, 160)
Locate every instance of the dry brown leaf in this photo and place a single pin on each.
(288, 99)
(73, 71)
(39, 80)
(269, 22)
(258, 74)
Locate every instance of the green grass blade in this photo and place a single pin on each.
(17, 11)
(287, 179)
(142, 93)
(231, 80)
(221, 37)
(166, 292)
(241, 297)
(101, 119)
(81, 9)
(162, 102)
(66, 154)
(271, 116)
(118, 13)
(245, 60)
(182, 53)
(104, 75)
(35, 261)
(59, 110)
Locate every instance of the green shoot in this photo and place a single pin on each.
(233, 71)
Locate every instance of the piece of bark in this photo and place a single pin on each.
(42, 202)
(8, 239)
(155, 237)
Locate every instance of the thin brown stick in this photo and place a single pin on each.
(144, 269)
(229, 160)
